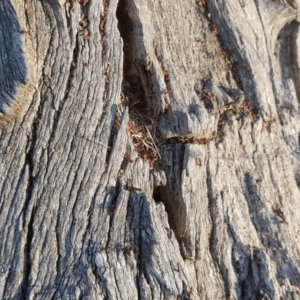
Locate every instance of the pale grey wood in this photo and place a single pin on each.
(85, 213)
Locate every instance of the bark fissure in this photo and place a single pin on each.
(289, 57)
(112, 208)
(102, 25)
(144, 117)
(138, 94)
(113, 135)
(29, 198)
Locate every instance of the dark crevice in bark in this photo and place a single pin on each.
(116, 193)
(242, 264)
(84, 31)
(57, 234)
(113, 129)
(102, 29)
(29, 194)
(137, 244)
(140, 222)
(171, 194)
(143, 124)
(158, 192)
(27, 269)
(192, 140)
(103, 19)
(137, 92)
(123, 28)
(288, 56)
(172, 200)
(297, 178)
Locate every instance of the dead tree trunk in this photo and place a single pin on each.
(149, 149)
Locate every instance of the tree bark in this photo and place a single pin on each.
(149, 149)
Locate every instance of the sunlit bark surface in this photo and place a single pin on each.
(149, 149)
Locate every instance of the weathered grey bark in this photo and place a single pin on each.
(149, 149)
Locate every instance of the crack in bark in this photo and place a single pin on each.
(102, 25)
(116, 194)
(173, 160)
(29, 193)
(137, 89)
(114, 131)
(288, 56)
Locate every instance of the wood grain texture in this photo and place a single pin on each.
(149, 149)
